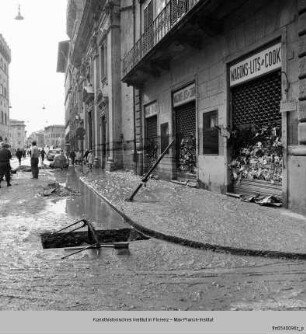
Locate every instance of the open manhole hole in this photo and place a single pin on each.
(82, 235)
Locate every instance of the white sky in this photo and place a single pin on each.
(34, 82)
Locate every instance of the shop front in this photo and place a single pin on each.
(151, 136)
(184, 116)
(255, 143)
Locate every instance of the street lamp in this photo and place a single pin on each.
(19, 17)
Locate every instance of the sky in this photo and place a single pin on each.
(34, 82)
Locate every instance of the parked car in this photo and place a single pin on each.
(51, 154)
(59, 161)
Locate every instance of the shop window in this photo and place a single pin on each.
(164, 134)
(210, 133)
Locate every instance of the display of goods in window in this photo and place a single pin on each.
(187, 158)
(257, 154)
(151, 150)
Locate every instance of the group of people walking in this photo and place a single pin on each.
(77, 158)
(6, 155)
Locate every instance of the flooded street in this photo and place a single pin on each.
(85, 204)
(150, 275)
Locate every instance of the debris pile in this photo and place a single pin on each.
(257, 154)
(58, 190)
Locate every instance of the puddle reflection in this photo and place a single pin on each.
(86, 205)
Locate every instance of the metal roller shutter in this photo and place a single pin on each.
(151, 128)
(257, 103)
(151, 144)
(185, 120)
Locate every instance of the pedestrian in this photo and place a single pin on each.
(86, 155)
(62, 160)
(34, 160)
(72, 156)
(19, 155)
(78, 157)
(90, 159)
(24, 153)
(42, 154)
(5, 167)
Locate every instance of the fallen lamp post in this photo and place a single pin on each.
(146, 177)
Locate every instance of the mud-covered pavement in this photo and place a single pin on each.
(152, 275)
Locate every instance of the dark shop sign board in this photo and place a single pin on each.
(258, 64)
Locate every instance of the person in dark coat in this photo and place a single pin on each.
(19, 155)
(86, 155)
(42, 154)
(5, 167)
(72, 156)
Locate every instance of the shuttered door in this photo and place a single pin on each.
(151, 145)
(257, 102)
(185, 121)
(151, 127)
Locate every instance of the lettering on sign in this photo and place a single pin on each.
(263, 62)
(151, 109)
(184, 95)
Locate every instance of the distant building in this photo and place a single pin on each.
(17, 136)
(39, 137)
(55, 136)
(5, 59)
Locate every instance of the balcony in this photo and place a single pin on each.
(170, 17)
(177, 29)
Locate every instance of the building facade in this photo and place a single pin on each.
(5, 59)
(17, 134)
(227, 81)
(54, 136)
(39, 137)
(91, 61)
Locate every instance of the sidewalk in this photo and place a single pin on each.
(200, 218)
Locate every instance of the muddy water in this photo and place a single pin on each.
(85, 205)
(151, 275)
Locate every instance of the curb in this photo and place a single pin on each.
(197, 244)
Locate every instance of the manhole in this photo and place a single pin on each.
(82, 235)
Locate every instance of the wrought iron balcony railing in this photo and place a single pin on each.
(173, 12)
